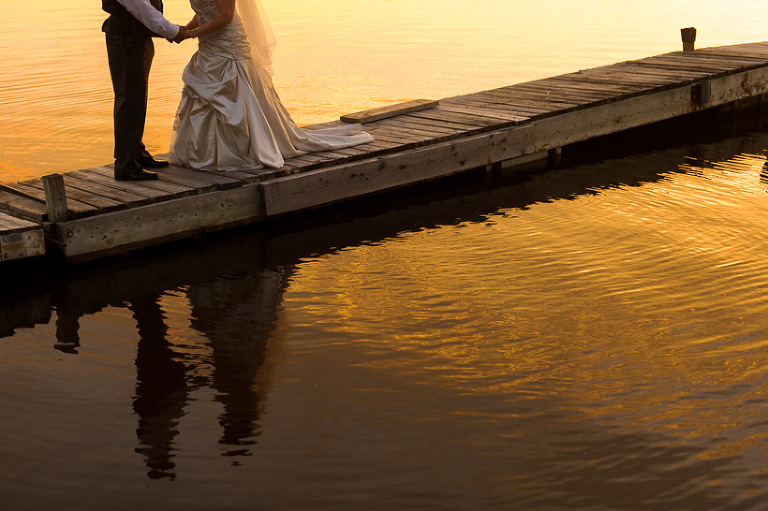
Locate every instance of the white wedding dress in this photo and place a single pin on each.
(230, 116)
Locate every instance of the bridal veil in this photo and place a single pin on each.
(259, 32)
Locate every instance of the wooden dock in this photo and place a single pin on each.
(86, 214)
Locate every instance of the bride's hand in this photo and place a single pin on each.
(180, 36)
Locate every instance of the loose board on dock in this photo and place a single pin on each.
(98, 216)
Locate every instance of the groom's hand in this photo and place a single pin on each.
(180, 36)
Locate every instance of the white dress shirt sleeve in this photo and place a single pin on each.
(150, 17)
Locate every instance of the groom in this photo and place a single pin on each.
(129, 31)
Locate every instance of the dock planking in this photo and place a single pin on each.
(415, 141)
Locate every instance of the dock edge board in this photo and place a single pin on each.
(22, 245)
(153, 224)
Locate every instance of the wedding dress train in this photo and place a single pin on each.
(230, 116)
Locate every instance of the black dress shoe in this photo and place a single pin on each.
(148, 162)
(136, 175)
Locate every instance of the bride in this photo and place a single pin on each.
(230, 116)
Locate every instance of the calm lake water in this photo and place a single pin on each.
(592, 337)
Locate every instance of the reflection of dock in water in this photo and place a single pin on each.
(85, 214)
(40, 291)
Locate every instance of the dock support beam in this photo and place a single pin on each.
(55, 197)
(689, 38)
(554, 157)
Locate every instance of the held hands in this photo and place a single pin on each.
(184, 33)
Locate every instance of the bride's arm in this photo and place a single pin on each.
(224, 18)
(192, 24)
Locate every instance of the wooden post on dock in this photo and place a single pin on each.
(689, 38)
(55, 197)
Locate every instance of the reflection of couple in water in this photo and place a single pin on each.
(233, 294)
(236, 316)
(229, 117)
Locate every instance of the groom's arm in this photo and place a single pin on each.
(151, 18)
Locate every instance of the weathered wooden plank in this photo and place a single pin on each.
(745, 62)
(99, 202)
(661, 69)
(278, 172)
(652, 75)
(484, 111)
(250, 174)
(336, 157)
(516, 97)
(309, 158)
(312, 189)
(309, 161)
(630, 82)
(130, 188)
(240, 175)
(738, 86)
(524, 98)
(449, 125)
(561, 130)
(641, 110)
(174, 178)
(389, 111)
(129, 229)
(701, 62)
(78, 196)
(291, 166)
(26, 207)
(22, 245)
(323, 159)
(149, 188)
(20, 238)
(530, 107)
(753, 50)
(519, 110)
(410, 126)
(200, 180)
(571, 90)
(268, 173)
(5, 224)
(478, 122)
(129, 199)
(10, 224)
(378, 145)
(403, 138)
(34, 189)
(559, 87)
(584, 81)
(356, 152)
